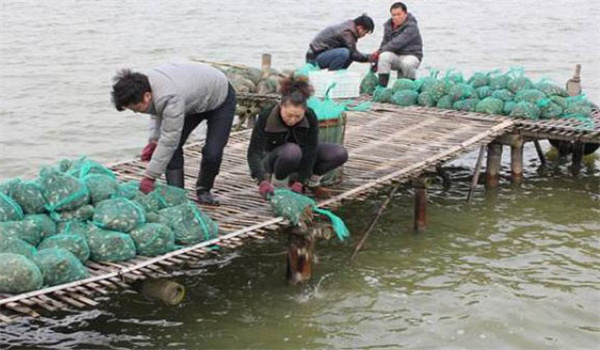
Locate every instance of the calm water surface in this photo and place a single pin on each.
(519, 269)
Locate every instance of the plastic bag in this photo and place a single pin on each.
(153, 239)
(18, 274)
(74, 243)
(119, 214)
(59, 266)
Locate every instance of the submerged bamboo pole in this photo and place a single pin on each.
(420, 217)
(494, 160)
(516, 160)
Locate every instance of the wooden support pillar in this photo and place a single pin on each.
(266, 63)
(577, 158)
(475, 178)
(539, 151)
(300, 256)
(516, 160)
(494, 160)
(420, 224)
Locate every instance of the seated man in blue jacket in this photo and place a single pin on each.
(401, 48)
(334, 47)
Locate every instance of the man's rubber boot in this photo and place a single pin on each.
(384, 80)
(175, 177)
(205, 197)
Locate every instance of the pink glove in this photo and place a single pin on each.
(374, 57)
(266, 189)
(148, 151)
(147, 185)
(296, 187)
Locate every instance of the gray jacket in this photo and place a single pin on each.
(339, 35)
(404, 40)
(179, 90)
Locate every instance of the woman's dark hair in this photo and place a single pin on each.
(129, 88)
(365, 22)
(295, 90)
(398, 5)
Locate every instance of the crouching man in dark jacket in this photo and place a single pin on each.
(334, 47)
(401, 48)
(178, 97)
(285, 144)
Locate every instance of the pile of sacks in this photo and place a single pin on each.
(510, 94)
(254, 80)
(77, 210)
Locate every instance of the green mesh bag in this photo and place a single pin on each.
(519, 83)
(550, 89)
(479, 79)
(74, 227)
(325, 108)
(152, 217)
(307, 68)
(467, 105)
(525, 110)
(508, 107)
(438, 88)
(109, 246)
(62, 191)
(293, 207)
(44, 223)
(59, 266)
(18, 274)
(150, 202)
(504, 94)
(484, 91)
(189, 224)
(9, 209)
(403, 84)
(153, 239)
(6, 187)
(119, 214)
(13, 245)
(83, 213)
(549, 109)
(83, 166)
(559, 100)
(530, 95)
(268, 86)
(445, 102)
(170, 196)
(25, 230)
(76, 244)
(64, 165)
(499, 82)
(424, 99)
(28, 194)
(369, 83)
(382, 95)
(461, 91)
(100, 186)
(490, 105)
(405, 98)
(252, 73)
(454, 77)
(129, 190)
(578, 106)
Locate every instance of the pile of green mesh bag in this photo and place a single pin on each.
(77, 211)
(510, 94)
(254, 80)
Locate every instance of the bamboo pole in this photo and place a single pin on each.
(476, 172)
(516, 160)
(420, 222)
(494, 160)
(539, 151)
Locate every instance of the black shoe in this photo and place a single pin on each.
(384, 79)
(205, 197)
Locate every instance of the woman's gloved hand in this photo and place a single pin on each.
(266, 189)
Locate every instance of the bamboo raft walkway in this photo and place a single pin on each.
(387, 145)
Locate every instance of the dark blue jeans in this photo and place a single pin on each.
(334, 59)
(218, 127)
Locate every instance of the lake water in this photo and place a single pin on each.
(519, 269)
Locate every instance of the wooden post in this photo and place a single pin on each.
(574, 84)
(420, 205)
(266, 63)
(300, 256)
(539, 151)
(516, 160)
(476, 174)
(494, 160)
(577, 157)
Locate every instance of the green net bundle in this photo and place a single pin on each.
(503, 94)
(28, 194)
(74, 227)
(479, 79)
(152, 217)
(112, 246)
(44, 223)
(519, 83)
(445, 102)
(293, 206)
(169, 196)
(490, 105)
(74, 243)
(129, 190)
(189, 224)
(437, 89)
(467, 105)
(83, 213)
(307, 68)
(405, 98)
(255, 80)
(9, 244)
(550, 89)
(6, 187)
(369, 83)
(119, 214)
(484, 91)
(499, 81)
(9, 209)
(525, 110)
(530, 95)
(425, 83)
(59, 266)
(403, 84)
(153, 239)
(18, 274)
(382, 95)
(267, 86)
(83, 166)
(25, 230)
(424, 99)
(549, 109)
(461, 91)
(100, 186)
(508, 107)
(326, 108)
(563, 102)
(62, 191)
(577, 106)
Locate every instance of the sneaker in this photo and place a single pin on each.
(206, 198)
(320, 192)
